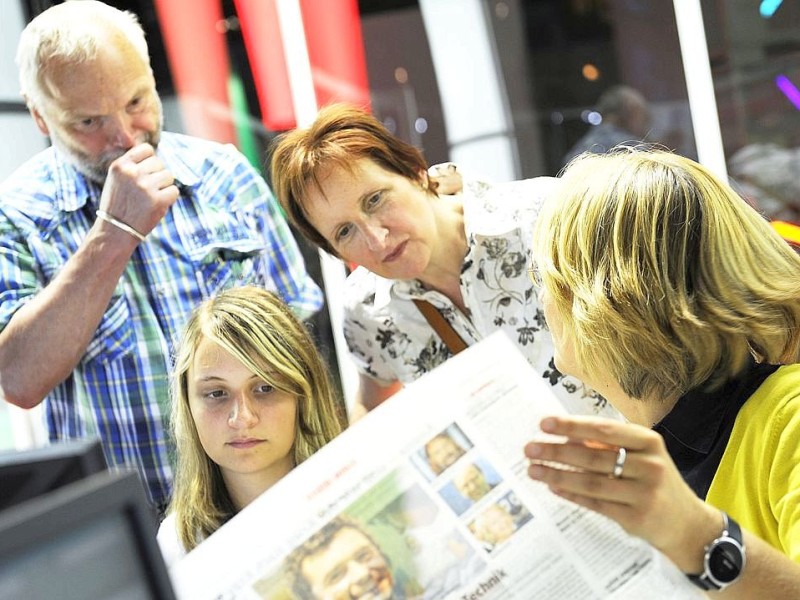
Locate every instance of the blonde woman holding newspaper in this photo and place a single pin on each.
(251, 400)
(673, 298)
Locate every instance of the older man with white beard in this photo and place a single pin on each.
(110, 237)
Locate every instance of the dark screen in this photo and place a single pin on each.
(94, 539)
(30, 473)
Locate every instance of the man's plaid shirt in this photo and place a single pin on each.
(225, 230)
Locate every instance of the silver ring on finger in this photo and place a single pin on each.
(619, 464)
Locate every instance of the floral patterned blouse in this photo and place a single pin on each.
(390, 340)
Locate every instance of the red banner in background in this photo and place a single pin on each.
(198, 56)
(261, 31)
(335, 49)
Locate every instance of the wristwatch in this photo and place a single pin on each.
(724, 558)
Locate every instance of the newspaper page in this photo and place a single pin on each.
(427, 497)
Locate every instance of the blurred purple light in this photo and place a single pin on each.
(789, 90)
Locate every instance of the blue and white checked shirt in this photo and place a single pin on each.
(224, 230)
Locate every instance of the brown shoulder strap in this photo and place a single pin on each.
(440, 325)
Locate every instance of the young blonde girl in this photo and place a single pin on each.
(252, 399)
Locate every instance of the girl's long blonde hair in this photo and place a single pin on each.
(258, 329)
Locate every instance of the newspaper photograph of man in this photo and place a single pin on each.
(497, 523)
(442, 451)
(469, 484)
(342, 561)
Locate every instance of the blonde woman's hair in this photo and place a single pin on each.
(664, 276)
(340, 135)
(67, 34)
(258, 329)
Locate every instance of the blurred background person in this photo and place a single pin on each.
(766, 174)
(625, 118)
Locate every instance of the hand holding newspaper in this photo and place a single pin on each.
(427, 497)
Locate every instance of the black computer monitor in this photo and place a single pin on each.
(26, 474)
(92, 539)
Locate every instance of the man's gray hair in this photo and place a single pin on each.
(70, 33)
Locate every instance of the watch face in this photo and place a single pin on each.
(725, 561)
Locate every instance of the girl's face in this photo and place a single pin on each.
(376, 219)
(246, 426)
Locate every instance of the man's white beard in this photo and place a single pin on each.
(96, 170)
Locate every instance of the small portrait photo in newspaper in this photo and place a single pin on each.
(496, 523)
(468, 483)
(441, 451)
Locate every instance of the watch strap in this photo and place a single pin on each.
(732, 537)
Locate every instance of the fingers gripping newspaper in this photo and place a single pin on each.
(427, 497)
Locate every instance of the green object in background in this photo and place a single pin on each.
(246, 140)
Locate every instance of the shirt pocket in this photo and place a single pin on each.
(224, 264)
(114, 337)
(224, 252)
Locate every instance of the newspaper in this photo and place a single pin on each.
(461, 520)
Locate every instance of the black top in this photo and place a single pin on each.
(698, 428)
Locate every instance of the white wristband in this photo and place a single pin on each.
(117, 223)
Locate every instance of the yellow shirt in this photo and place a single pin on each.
(758, 479)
